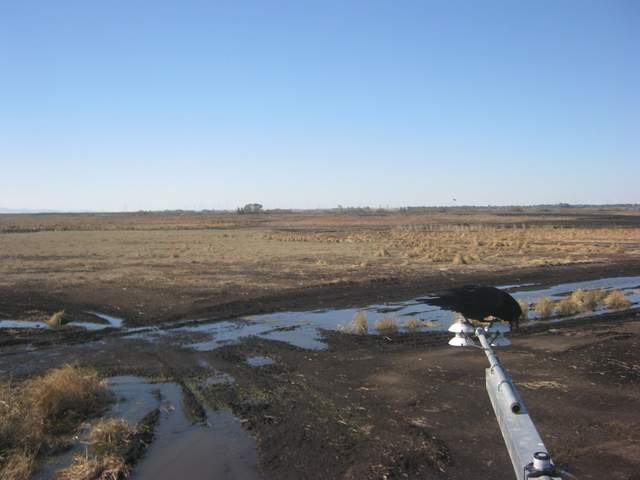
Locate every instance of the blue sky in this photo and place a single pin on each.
(115, 104)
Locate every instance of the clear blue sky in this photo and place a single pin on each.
(149, 104)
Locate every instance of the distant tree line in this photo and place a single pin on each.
(250, 208)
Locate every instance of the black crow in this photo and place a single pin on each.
(477, 303)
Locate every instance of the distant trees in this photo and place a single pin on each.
(250, 208)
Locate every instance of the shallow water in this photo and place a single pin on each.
(112, 322)
(259, 361)
(221, 449)
(516, 285)
(303, 329)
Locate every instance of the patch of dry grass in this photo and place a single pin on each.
(357, 326)
(64, 396)
(458, 260)
(85, 467)
(587, 300)
(17, 465)
(386, 325)
(41, 412)
(56, 320)
(567, 307)
(20, 428)
(616, 300)
(544, 308)
(112, 437)
(413, 325)
(115, 445)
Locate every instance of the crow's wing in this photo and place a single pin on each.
(472, 301)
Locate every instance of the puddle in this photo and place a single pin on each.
(23, 324)
(259, 361)
(517, 285)
(303, 329)
(221, 449)
(112, 322)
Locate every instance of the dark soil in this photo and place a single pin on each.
(403, 406)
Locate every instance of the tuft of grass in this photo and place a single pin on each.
(587, 300)
(112, 437)
(386, 325)
(64, 396)
(544, 307)
(458, 260)
(568, 307)
(85, 467)
(413, 325)
(357, 326)
(360, 324)
(616, 300)
(56, 320)
(524, 306)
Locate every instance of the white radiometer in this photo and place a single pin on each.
(464, 333)
(461, 340)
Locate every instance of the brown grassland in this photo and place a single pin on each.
(151, 267)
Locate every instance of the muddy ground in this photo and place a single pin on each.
(400, 406)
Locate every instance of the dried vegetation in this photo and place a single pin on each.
(386, 326)
(477, 244)
(413, 325)
(357, 326)
(42, 413)
(616, 300)
(544, 308)
(581, 301)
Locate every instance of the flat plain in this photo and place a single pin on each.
(152, 267)
(399, 404)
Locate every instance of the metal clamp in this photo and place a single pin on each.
(542, 466)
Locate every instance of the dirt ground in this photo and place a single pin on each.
(401, 406)
(368, 407)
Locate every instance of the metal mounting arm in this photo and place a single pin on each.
(528, 454)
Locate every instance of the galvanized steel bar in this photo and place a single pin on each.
(528, 454)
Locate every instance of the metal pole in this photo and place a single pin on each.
(528, 454)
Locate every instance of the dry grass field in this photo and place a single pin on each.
(161, 265)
